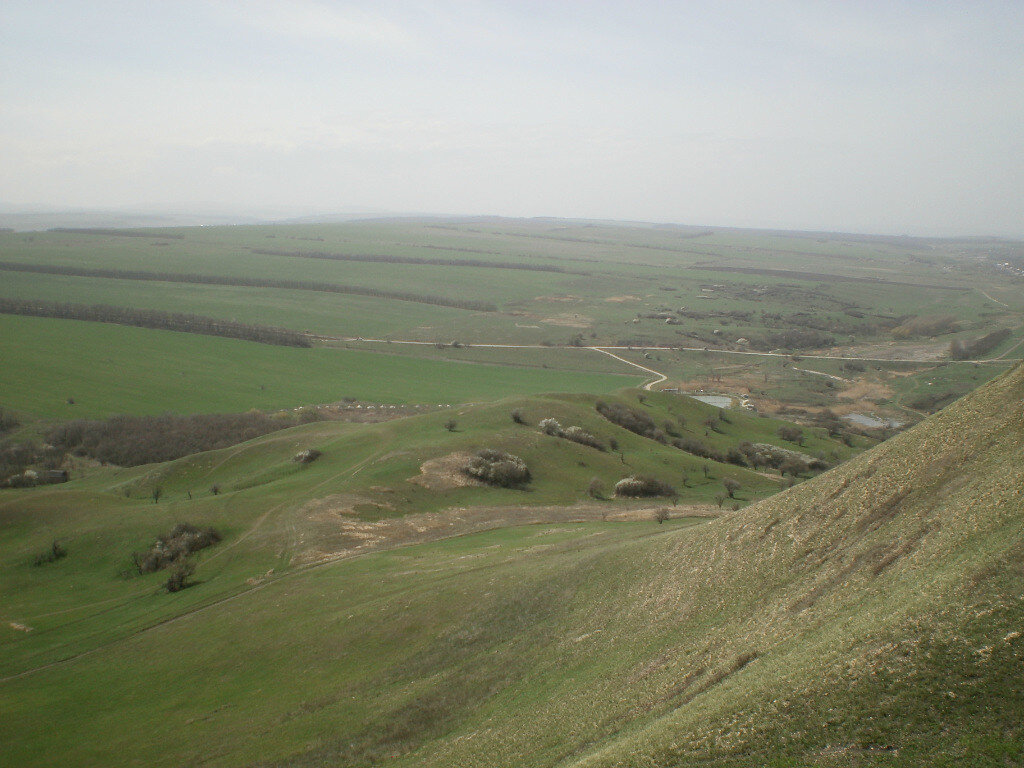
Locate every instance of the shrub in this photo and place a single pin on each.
(55, 552)
(791, 434)
(550, 427)
(735, 456)
(307, 456)
(792, 467)
(518, 417)
(581, 436)
(498, 468)
(639, 486)
(661, 515)
(451, 424)
(595, 489)
(177, 579)
(170, 548)
(731, 486)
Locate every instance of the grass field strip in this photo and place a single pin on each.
(470, 345)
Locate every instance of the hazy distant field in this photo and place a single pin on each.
(551, 283)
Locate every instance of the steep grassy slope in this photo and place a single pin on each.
(871, 616)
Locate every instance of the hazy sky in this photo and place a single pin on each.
(889, 117)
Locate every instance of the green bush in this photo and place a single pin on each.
(639, 486)
(498, 468)
(173, 548)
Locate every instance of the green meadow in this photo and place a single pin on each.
(108, 369)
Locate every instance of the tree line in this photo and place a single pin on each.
(389, 259)
(117, 232)
(129, 441)
(154, 318)
(967, 350)
(247, 282)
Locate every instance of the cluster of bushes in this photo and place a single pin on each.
(152, 318)
(16, 459)
(931, 402)
(965, 350)
(498, 468)
(637, 422)
(641, 424)
(132, 440)
(390, 259)
(249, 282)
(820, 322)
(787, 462)
(575, 434)
(172, 551)
(56, 551)
(698, 448)
(791, 434)
(183, 540)
(837, 427)
(642, 486)
(799, 338)
(931, 325)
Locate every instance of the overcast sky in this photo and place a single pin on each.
(887, 117)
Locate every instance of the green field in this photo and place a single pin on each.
(617, 286)
(872, 612)
(110, 369)
(626, 271)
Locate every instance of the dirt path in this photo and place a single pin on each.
(660, 376)
(605, 348)
(992, 298)
(826, 375)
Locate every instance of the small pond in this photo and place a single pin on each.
(719, 401)
(871, 422)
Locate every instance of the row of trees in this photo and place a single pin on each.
(391, 259)
(967, 350)
(118, 232)
(247, 282)
(154, 318)
(128, 441)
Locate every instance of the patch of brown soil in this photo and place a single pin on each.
(445, 473)
(564, 297)
(338, 504)
(347, 536)
(567, 320)
(866, 390)
(619, 299)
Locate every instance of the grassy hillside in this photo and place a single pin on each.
(871, 616)
(375, 485)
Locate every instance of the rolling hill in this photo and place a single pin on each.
(869, 616)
